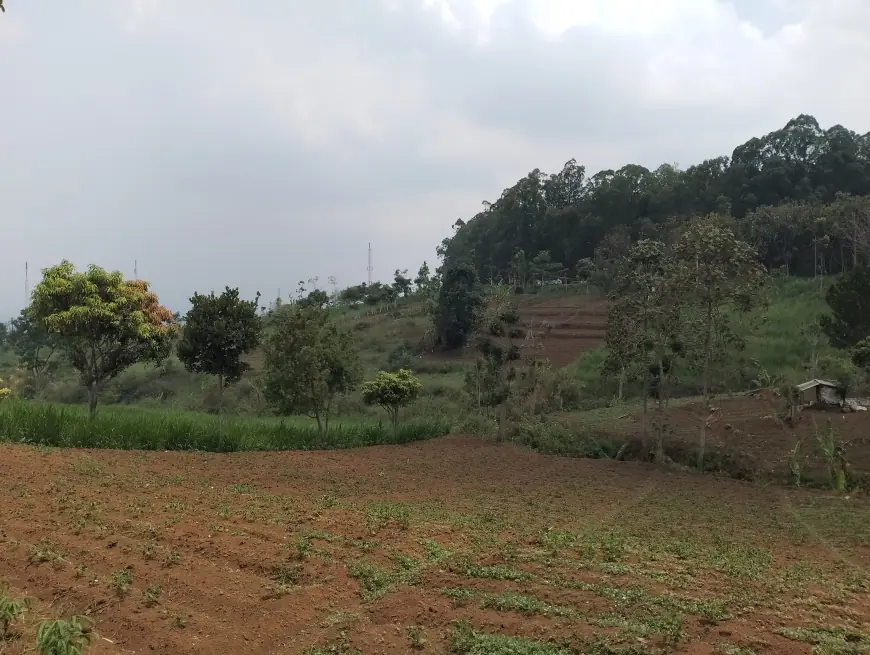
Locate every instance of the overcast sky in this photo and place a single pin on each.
(257, 143)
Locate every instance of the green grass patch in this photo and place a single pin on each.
(128, 428)
(830, 641)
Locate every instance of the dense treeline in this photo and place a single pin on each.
(798, 195)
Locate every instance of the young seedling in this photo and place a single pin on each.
(60, 637)
(10, 611)
(151, 595)
(417, 635)
(121, 582)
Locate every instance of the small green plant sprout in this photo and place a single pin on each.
(392, 391)
(151, 595)
(10, 610)
(121, 582)
(60, 637)
(417, 635)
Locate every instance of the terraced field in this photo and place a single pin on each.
(455, 545)
(561, 329)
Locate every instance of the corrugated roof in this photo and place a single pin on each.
(809, 384)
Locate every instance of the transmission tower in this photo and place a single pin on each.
(369, 268)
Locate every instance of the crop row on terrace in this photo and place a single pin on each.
(138, 429)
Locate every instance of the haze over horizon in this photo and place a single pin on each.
(257, 144)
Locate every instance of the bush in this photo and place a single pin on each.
(400, 357)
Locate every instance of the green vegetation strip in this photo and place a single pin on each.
(465, 640)
(138, 429)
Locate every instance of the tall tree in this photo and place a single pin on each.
(423, 279)
(849, 300)
(308, 361)
(645, 325)
(402, 283)
(104, 323)
(38, 350)
(719, 274)
(218, 331)
(459, 306)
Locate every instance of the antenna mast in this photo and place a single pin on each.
(26, 283)
(369, 269)
(135, 269)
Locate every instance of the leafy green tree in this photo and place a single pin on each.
(392, 391)
(38, 350)
(645, 325)
(849, 300)
(861, 354)
(720, 276)
(317, 298)
(543, 268)
(402, 283)
(308, 361)
(423, 279)
(218, 331)
(458, 307)
(104, 323)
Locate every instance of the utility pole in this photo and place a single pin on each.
(135, 269)
(26, 284)
(369, 268)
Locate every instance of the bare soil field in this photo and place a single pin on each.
(561, 328)
(749, 430)
(454, 545)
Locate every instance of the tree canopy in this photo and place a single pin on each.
(218, 331)
(104, 323)
(569, 214)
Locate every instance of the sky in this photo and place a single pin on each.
(256, 144)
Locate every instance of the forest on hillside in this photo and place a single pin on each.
(798, 195)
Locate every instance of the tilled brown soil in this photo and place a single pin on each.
(384, 549)
(559, 330)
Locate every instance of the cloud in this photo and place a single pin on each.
(256, 144)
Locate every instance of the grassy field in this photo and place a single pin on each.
(134, 428)
(453, 545)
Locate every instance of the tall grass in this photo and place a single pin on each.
(142, 429)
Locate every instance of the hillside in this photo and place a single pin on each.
(565, 325)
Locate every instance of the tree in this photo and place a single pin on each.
(316, 298)
(218, 331)
(543, 268)
(402, 283)
(849, 300)
(645, 325)
(104, 323)
(423, 279)
(392, 391)
(459, 306)
(720, 275)
(38, 349)
(308, 361)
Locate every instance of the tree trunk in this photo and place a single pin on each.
(621, 383)
(645, 412)
(660, 450)
(501, 421)
(92, 401)
(395, 424)
(319, 424)
(708, 355)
